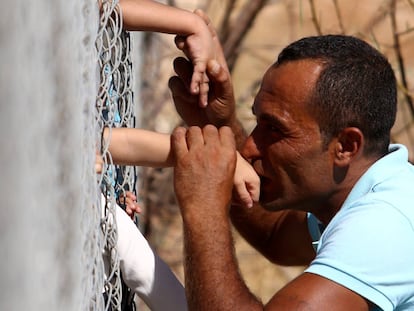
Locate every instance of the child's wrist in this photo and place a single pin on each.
(198, 24)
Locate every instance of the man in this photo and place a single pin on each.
(321, 148)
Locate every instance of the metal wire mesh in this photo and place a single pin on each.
(115, 108)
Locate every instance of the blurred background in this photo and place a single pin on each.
(252, 33)
(50, 220)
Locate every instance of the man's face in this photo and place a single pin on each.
(285, 148)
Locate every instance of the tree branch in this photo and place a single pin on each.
(400, 59)
(231, 46)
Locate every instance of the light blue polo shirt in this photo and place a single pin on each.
(368, 246)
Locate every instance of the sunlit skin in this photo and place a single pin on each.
(286, 147)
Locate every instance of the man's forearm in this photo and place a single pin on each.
(282, 237)
(213, 281)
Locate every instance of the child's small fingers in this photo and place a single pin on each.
(129, 211)
(255, 194)
(203, 100)
(244, 196)
(131, 203)
(253, 187)
(199, 77)
(195, 87)
(203, 91)
(247, 202)
(99, 162)
(203, 97)
(98, 168)
(138, 209)
(130, 195)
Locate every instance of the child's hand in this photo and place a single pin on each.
(246, 183)
(199, 48)
(130, 201)
(98, 163)
(199, 82)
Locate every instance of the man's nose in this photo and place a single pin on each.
(250, 150)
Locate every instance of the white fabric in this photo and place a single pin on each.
(144, 271)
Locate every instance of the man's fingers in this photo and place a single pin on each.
(210, 134)
(227, 137)
(185, 103)
(217, 72)
(179, 42)
(204, 87)
(184, 70)
(176, 86)
(194, 137)
(179, 142)
(220, 77)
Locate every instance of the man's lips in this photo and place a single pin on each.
(265, 180)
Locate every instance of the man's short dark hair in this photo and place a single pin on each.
(356, 88)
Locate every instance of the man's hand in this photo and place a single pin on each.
(204, 170)
(220, 110)
(221, 105)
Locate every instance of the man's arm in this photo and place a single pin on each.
(282, 237)
(204, 208)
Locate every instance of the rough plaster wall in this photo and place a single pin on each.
(46, 86)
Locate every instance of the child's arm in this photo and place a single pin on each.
(147, 15)
(246, 183)
(129, 198)
(132, 146)
(138, 147)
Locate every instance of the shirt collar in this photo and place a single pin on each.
(382, 169)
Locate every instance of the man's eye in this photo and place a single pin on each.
(273, 128)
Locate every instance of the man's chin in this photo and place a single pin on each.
(279, 204)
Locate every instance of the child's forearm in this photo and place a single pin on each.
(131, 146)
(147, 15)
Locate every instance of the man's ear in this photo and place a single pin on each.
(349, 144)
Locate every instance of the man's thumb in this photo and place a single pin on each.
(220, 77)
